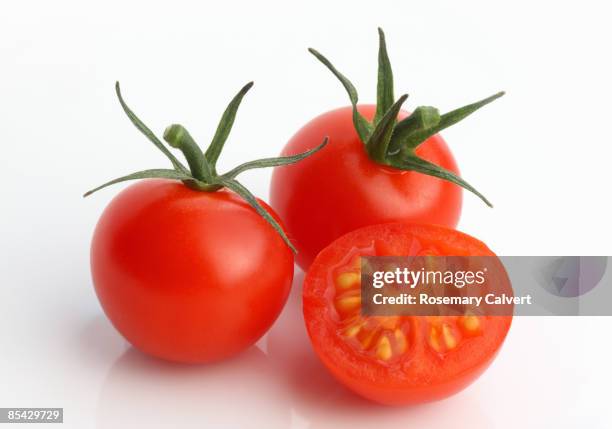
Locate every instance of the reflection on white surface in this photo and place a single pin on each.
(144, 392)
(286, 386)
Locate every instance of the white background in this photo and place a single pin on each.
(541, 154)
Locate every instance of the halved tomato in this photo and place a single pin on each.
(395, 359)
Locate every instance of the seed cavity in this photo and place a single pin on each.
(367, 338)
(386, 338)
(383, 338)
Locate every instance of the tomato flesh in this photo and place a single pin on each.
(395, 359)
(188, 276)
(340, 189)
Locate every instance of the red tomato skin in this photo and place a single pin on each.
(188, 276)
(399, 396)
(340, 189)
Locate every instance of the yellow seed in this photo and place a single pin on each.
(449, 338)
(471, 323)
(400, 341)
(383, 349)
(349, 303)
(433, 340)
(348, 280)
(353, 330)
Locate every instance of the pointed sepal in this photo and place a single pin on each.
(426, 121)
(225, 126)
(246, 195)
(147, 132)
(384, 87)
(363, 127)
(156, 173)
(414, 163)
(273, 162)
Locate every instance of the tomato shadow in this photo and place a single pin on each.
(324, 403)
(289, 348)
(99, 343)
(141, 391)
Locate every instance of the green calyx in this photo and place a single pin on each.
(202, 172)
(391, 142)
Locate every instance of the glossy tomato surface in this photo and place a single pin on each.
(395, 360)
(188, 276)
(340, 188)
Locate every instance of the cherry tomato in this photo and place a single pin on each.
(395, 359)
(188, 276)
(340, 189)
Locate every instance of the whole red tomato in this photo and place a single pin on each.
(382, 164)
(397, 360)
(341, 189)
(186, 275)
(187, 264)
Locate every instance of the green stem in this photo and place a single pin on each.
(178, 137)
(202, 174)
(378, 143)
(391, 142)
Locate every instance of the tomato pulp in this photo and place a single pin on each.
(395, 360)
(340, 189)
(188, 276)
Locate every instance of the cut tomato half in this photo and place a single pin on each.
(395, 359)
